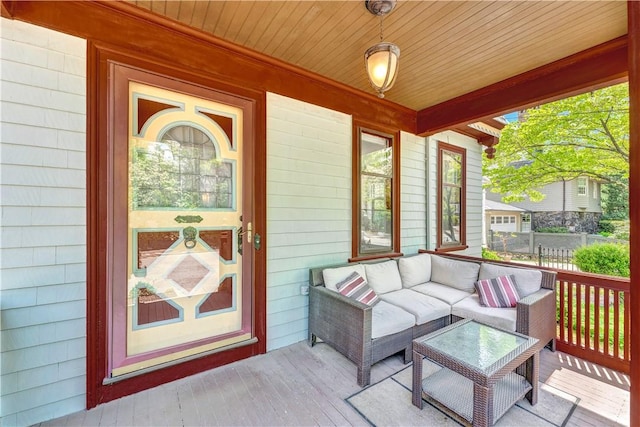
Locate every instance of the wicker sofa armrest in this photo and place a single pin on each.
(536, 316)
(344, 324)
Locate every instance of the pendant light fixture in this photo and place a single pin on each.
(381, 59)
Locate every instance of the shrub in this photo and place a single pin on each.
(606, 227)
(552, 230)
(489, 254)
(603, 258)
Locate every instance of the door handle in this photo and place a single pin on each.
(241, 232)
(248, 232)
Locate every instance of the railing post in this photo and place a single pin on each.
(633, 41)
(540, 254)
(531, 242)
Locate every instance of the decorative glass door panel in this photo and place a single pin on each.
(184, 293)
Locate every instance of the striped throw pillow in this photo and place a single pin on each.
(498, 292)
(355, 287)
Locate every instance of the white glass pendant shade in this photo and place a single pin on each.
(381, 61)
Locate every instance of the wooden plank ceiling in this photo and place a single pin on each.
(448, 48)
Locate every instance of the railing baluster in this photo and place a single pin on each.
(627, 325)
(563, 321)
(597, 291)
(571, 321)
(616, 324)
(579, 312)
(587, 316)
(607, 321)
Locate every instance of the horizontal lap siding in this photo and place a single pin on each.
(42, 247)
(308, 207)
(413, 234)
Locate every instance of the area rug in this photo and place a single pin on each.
(388, 403)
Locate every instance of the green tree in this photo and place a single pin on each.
(615, 199)
(586, 135)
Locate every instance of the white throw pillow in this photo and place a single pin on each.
(383, 276)
(333, 276)
(527, 280)
(415, 270)
(458, 274)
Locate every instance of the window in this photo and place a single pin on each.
(582, 186)
(526, 223)
(451, 197)
(376, 194)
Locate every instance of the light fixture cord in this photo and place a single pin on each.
(381, 27)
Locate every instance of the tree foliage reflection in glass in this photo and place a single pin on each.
(375, 193)
(180, 171)
(451, 169)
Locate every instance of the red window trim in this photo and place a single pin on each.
(394, 135)
(462, 244)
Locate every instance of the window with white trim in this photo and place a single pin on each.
(582, 186)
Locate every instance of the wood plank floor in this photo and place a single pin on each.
(301, 386)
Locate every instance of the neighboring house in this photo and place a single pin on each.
(574, 204)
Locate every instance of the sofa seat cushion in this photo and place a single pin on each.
(415, 270)
(470, 308)
(333, 276)
(425, 308)
(442, 292)
(383, 276)
(458, 274)
(527, 280)
(387, 319)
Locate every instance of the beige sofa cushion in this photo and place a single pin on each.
(415, 270)
(458, 274)
(387, 319)
(528, 280)
(423, 307)
(383, 277)
(333, 276)
(442, 292)
(470, 308)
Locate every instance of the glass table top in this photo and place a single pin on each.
(476, 344)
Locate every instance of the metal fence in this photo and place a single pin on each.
(556, 258)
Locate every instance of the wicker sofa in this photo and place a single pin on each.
(420, 294)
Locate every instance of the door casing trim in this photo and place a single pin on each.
(100, 108)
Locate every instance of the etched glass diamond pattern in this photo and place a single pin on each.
(188, 273)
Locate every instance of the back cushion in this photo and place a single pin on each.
(383, 277)
(333, 276)
(415, 270)
(461, 275)
(527, 280)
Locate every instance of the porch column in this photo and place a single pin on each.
(633, 16)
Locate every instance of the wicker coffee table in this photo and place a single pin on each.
(485, 371)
